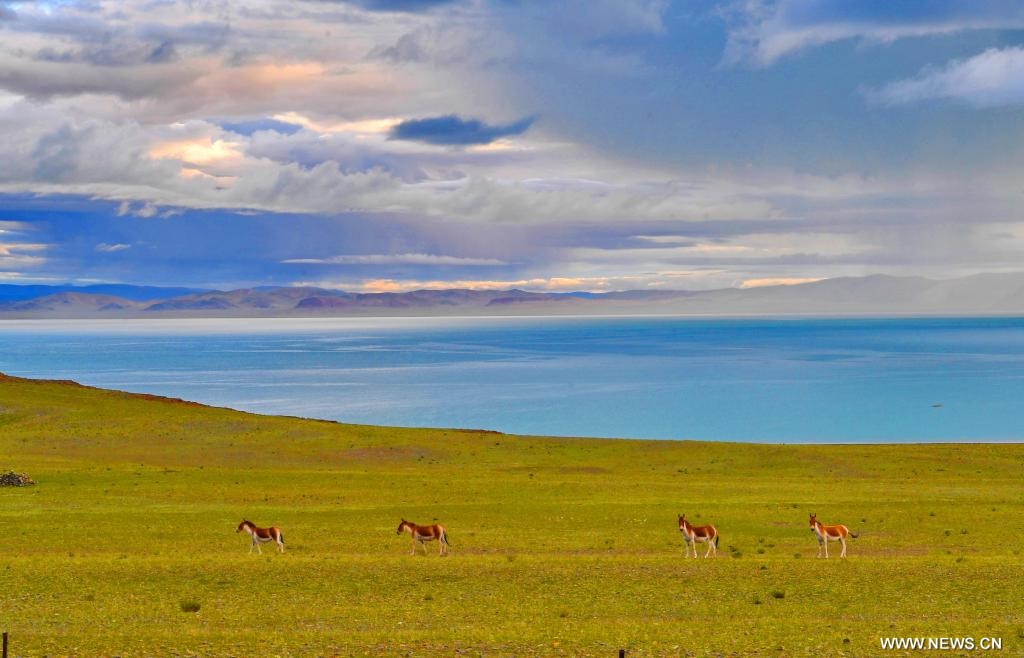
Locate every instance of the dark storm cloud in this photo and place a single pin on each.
(451, 130)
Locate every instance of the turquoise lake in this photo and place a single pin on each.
(779, 380)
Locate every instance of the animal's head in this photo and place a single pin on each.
(401, 527)
(813, 521)
(241, 526)
(682, 522)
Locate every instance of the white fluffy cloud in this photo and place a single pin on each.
(197, 164)
(992, 78)
(108, 248)
(122, 101)
(762, 32)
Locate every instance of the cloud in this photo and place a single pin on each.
(598, 19)
(48, 79)
(144, 210)
(778, 281)
(363, 146)
(268, 125)
(19, 255)
(451, 130)
(195, 164)
(990, 79)
(402, 5)
(112, 54)
(551, 284)
(418, 46)
(676, 240)
(15, 248)
(163, 53)
(106, 248)
(397, 259)
(762, 32)
(9, 226)
(695, 279)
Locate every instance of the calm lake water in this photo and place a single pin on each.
(744, 380)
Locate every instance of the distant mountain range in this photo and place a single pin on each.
(17, 293)
(878, 294)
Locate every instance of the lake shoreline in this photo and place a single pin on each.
(794, 380)
(4, 377)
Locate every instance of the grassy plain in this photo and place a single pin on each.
(560, 546)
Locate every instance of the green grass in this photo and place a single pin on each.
(127, 544)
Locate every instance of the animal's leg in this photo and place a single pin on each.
(826, 547)
(711, 545)
(819, 547)
(843, 554)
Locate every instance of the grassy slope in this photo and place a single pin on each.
(138, 498)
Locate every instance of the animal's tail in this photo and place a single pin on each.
(716, 540)
(444, 537)
(854, 534)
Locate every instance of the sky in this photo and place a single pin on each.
(387, 145)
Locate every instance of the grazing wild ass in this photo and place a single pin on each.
(827, 533)
(694, 534)
(261, 535)
(423, 533)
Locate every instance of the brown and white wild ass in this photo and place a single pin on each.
(421, 534)
(827, 533)
(695, 534)
(261, 535)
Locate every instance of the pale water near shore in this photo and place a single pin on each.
(787, 380)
